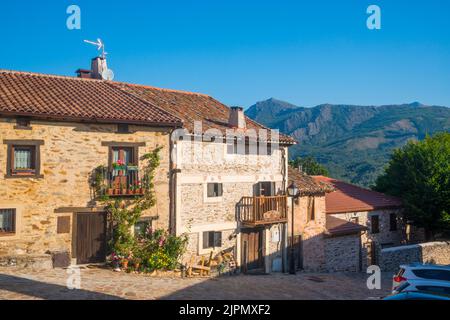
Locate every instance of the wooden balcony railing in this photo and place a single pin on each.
(262, 210)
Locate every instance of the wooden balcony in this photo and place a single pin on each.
(256, 211)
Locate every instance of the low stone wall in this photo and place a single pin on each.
(37, 262)
(431, 252)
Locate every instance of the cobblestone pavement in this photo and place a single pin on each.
(98, 283)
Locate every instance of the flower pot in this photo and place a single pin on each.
(123, 191)
(109, 192)
(125, 264)
(116, 191)
(130, 192)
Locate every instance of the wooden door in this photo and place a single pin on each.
(252, 250)
(90, 238)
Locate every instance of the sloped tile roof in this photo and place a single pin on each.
(350, 198)
(337, 227)
(307, 184)
(191, 107)
(69, 98)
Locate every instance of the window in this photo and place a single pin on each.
(123, 128)
(7, 221)
(393, 222)
(435, 289)
(375, 223)
(23, 158)
(311, 209)
(265, 189)
(215, 190)
(212, 239)
(432, 274)
(141, 226)
(22, 124)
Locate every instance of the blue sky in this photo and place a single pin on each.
(240, 52)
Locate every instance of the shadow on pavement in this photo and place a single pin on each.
(48, 291)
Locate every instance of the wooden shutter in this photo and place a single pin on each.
(217, 239)
(205, 240)
(375, 224)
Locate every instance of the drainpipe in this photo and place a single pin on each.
(173, 187)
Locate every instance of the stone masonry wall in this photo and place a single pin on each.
(430, 252)
(313, 244)
(238, 173)
(342, 254)
(69, 154)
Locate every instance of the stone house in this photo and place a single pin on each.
(56, 131)
(228, 179)
(342, 227)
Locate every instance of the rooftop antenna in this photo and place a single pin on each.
(100, 46)
(106, 74)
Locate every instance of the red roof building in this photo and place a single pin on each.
(350, 198)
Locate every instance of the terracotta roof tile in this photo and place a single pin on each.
(350, 198)
(69, 98)
(336, 226)
(191, 107)
(307, 184)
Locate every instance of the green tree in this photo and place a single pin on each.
(309, 166)
(419, 173)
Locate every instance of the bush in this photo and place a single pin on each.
(159, 250)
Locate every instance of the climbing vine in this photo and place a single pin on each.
(151, 250)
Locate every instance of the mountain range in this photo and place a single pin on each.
(353, 142)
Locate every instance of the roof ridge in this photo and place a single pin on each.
(163, 89)
(40, 74)
(48, 75)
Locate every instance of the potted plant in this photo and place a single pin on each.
(124, 263)
(120, 166)
(123, 188)
(137, 263)
(115, 260)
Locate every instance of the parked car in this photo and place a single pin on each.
(432, 286)
(419, 271)
(417, 295)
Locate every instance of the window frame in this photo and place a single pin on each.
(311, 209)
(22, 123)
(219, 190)
(114, 145)
(123, 128)
(393, 226)
(35, 145)
(372, 229)
(207, 198)
(211, 242)
(14, 223)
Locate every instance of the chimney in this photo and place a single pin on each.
(98, 65)
(237, 118)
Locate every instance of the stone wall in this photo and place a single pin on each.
(386, 237)
(202, 163)
(431, 252)
(342, 253)
(70, 153)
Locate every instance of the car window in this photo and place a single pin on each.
(432, 274)
(435, 289)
